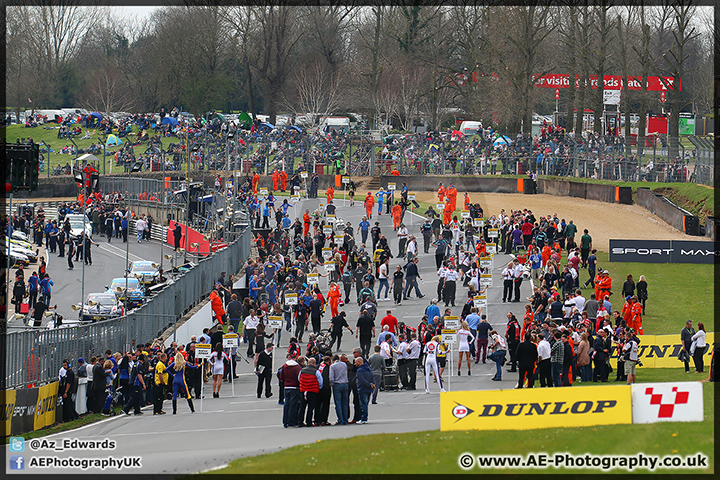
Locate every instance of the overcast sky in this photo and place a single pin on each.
(138, 12)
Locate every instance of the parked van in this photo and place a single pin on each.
(470, 128)
(339, 124)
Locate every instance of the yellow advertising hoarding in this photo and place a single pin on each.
(520, 409)
(46, 405)
(661, 351)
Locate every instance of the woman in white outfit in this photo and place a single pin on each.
(699, 343)
(431, 349)
(464, 338)
(218, 368)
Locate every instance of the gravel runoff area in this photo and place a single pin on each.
(603, 220)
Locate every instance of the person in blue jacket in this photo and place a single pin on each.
(365, 386)
(177, 369)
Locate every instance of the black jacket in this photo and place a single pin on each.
(98, 375)
(265, 360)
(526, 354)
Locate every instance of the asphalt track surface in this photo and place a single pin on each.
(230, 427)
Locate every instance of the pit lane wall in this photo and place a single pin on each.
(492, 184)
(672, 214)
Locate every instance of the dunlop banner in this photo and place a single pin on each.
(661, 351)
(46, 405)
(535, 408)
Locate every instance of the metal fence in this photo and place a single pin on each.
(35, 356)
(602, 158)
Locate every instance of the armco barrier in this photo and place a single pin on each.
(668, 211)
(35, 355)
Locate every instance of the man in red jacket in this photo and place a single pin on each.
(311, 381)
(289, 376)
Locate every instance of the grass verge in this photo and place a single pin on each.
(437, 452)
(676, 292)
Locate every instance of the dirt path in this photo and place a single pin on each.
(603, 220)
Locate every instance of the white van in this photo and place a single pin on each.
(339, 124)
(470, 128)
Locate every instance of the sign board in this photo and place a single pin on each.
(331, 218)
(486, 262)
(263, 191)
(329, 266)
(328, 230)
(327, 253)
(440, 206)
(465, 214)
(291, 299)
(612, 97)
(275, 322)
(303, 175)
(493, 232)
(339, 239)
(478, 222)
(203, 350)
(230, 340)
(391, 186)
(346, 180)
(411, 196)
(294, 198)
(480, 301)
(511, 409)
(667, 402)
(313, 279)
(449, 336)
(486, 279)
(663, 251)
(452, 322)
(491, 248)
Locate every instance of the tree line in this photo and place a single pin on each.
(401, 63)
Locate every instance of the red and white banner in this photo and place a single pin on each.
(610, 82)
(667, 402)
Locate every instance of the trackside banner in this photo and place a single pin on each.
(661, 351)
(535, 408)
(663, 251)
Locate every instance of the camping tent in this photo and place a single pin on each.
(245, 120)
(171, 120)
(112, 141)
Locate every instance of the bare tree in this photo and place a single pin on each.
(601, 56)
(318, 93)
(676, 66)
(54, 34)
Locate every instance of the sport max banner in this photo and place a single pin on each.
(522, 409)
(535, 408)
(661, 351)
(663, 251)
(610, 82)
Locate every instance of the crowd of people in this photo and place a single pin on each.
(563, 337)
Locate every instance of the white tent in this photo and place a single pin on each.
(87, 158)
